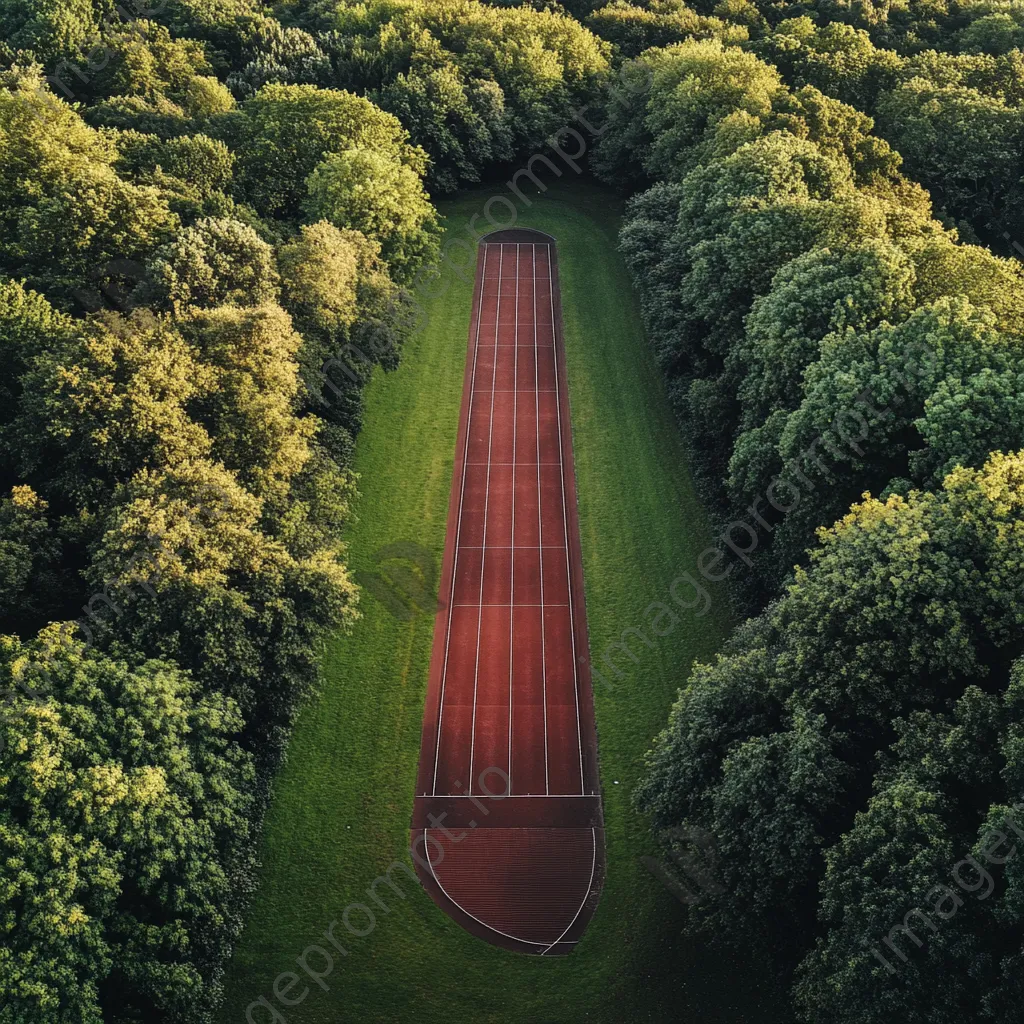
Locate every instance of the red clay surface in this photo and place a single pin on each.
(507, 828)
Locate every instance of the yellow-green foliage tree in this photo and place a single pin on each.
(124, 834)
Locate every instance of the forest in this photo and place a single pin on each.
(214, 217)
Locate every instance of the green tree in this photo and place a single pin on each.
(905, 604)
(205, 163)
(905, 402)
(839, 59)
(477, 82)
(65, 214)
(996, 33)
(213, 262)
(32, 582)
(812, 296)
(320, 272)
(28, 326)
(463, 126)
(112, 399)
(50, 29)
(633, 29)
(285, 131)
(702, 84)
(231, 603)
(142, 59)
(350, 314)
(274, 53)
(963, 145)
(124, 836)
(361, 190)
(900, 858)
(249, 412)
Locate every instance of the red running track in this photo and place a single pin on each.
(507, 829)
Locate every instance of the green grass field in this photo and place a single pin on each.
(343, 801)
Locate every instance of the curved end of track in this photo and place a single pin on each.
(530, 890)
(529, 236)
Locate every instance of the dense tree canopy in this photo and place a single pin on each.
(360, 190)
(65, 213)
(174, 471)
(474, 84)
(632, 29)
(825, 339)
(124, 833)
(213, 262)
(781, 247)
(953, 111)
(774, 749)
(285, 131)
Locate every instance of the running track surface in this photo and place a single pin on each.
(507, 830)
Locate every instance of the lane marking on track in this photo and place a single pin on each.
(458, 525)
(483, 559)
(590, 887)
(497, 931)
(565, 528)
(512, 538)
(540, 529)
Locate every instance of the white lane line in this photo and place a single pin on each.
(489, 927)
(512, 557)
(521, 796)
(483, 559)
(590, 886)
(565, 527)
(513, 604)
(458, 525)
(540, 530)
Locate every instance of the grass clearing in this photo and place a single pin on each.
(343, 801)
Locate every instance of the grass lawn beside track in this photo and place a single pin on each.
(343, 801)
